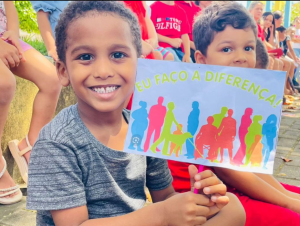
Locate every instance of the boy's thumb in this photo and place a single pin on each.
(192, 171)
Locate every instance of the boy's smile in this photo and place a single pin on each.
(101, 62)
(230, 47)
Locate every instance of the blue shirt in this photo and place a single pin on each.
(54, 8)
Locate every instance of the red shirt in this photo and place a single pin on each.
(191, 11)
(169, 21)
(260, 32)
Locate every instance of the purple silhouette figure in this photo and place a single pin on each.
(227, 131)
(243, 130)
(156, 117)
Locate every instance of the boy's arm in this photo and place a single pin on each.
(175, 42)
(151, 29)
(254, 187)
(192, 44)
(186, 45)
(46, 32)
(12, 17)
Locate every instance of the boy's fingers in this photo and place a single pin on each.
(192, 171)
(201, 200)
(202, 211)
(215, 189)
(220, 200)
(204, 174)
(207, 182)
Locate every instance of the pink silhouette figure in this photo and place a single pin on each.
(227, 131)
(243, 130)
(207, 137)
(156, 117)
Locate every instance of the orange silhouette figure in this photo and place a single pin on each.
(207, 137)
(173, 145)
(227, 131)
(256, 152)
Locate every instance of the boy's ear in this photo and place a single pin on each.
(62, 73)
(199, 57)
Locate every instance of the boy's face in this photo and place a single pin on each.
(231, 47)
(101, 62)
(282, 36)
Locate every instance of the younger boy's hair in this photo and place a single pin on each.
(215, 18)
(262, 57)
(281, 29)
(78, 9)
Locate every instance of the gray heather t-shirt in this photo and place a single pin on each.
(69, 168)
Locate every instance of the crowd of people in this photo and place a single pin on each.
(77, 173)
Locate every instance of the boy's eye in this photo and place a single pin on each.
(226, 50)
(85, 57)
(118, 55)
(249, 48)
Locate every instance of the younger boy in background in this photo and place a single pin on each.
(172, 29)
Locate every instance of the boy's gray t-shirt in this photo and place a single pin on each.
(69, 168)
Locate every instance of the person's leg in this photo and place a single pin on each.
(233, 214)
(176, 58)
(193, 55)
(271, 63)
(42, 73)
(157, 55)
(169, 56)
(7, 90)
(276, 63)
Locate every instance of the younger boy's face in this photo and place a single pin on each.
(231, 47)
(101, 62)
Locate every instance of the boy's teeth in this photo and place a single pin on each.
(105, 90)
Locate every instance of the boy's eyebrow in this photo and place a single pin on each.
(229, 42)
(83, 47)
(121, 46)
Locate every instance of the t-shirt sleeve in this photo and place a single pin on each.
(55, 179)
(158, 174)
(42, 5)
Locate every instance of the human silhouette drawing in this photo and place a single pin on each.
(192, 126)
(156, 117)
(166, 131)
(227, 133)
(206, 138)
(255, 152)
(243, 130)
(219, 117)
(139, 126)
(269, 131)
(178, 138)
(254, 129)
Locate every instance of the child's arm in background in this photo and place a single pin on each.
(256, 188)
(275, 183)
(46, 32)
(187, 48)
(175, 42)
(12, 33)
(152, 40)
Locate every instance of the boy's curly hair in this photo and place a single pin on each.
(262, 57)
(215, 18)
(78, 9)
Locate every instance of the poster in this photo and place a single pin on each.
(210, 115)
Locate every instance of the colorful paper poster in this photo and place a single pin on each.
(204, 114)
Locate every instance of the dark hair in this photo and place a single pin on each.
(265, 15)
(215, 18)
(262, 57)
(197, 3)
(78, 9)
(281, 29)
(277, 15)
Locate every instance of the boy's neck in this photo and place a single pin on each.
(168, 2)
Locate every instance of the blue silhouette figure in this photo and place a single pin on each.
(192, 126)
(139, 126)
(269, 131)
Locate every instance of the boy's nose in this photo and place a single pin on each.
(240, 57)
(103, 69)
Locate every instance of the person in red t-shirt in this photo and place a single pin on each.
(172, 29)
(191, 11)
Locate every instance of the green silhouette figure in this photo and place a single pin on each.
(218, 118)
(166, 133)
(254, 130)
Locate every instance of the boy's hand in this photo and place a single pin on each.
(175, 42)
(11, 37)
(209, 184)
(187, 209)
(186, 58)
(52, 53)
(146, 48)
(9, 55)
